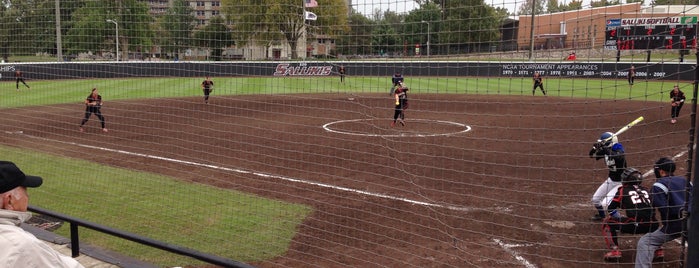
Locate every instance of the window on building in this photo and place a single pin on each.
(215, 3)
(200, 3)
(215, 12)
(200, 13)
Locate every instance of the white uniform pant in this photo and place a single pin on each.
(602, 191)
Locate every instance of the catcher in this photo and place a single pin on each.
(676, 102)
(207, 86)
(639, 218)
(538, 82)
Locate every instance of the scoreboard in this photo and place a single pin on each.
(629, 34)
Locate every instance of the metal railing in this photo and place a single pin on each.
(75, 241)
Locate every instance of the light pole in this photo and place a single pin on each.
(428, 37)
(117, 37)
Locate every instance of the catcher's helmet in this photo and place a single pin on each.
(664, 163)
(631, 176)
(608, 139)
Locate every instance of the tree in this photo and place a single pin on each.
(266, 22)
(358, 37)
(90, 26)
(604, 3)
(175, 28)
(526, 8)
(215, 36)
(470, 24)
(552, 6)
(573, 5)
(29, 26)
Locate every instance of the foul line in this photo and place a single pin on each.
(508, 249)
(259, 174)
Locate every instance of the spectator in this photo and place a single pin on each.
(572, 56)
(19, 247)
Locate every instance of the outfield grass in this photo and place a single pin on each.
(49, 92)
(158, 207)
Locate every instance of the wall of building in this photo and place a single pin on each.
(583, 28)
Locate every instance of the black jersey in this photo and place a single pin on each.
(207, 84)
(677, 96)
(635, 200)
(95, 101)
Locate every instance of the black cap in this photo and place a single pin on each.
(11, 177)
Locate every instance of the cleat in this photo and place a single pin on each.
(393, 124)
(673, 121)
(402, 123)
(105, 130)
(613, 255)
(82, 129)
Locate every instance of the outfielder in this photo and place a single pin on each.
(207, 86)
(634, 199)
(608, 148)
(538, 82)
(19, 77)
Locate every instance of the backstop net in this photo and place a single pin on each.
(272, 133)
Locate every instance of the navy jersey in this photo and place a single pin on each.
(397, 78)
(635, 200)
(668, 196)
(614, 158)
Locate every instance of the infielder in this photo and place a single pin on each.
(93, 104)
(396, 80)
(608, 148)
(676, 101)
(401, 98)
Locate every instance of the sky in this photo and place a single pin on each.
(366, 7)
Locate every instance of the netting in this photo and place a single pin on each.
(298, 156)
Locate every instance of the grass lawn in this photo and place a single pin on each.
(158, 208)
(48, 92)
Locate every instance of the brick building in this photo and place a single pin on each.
(585, 28)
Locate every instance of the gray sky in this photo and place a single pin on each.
(367, 7)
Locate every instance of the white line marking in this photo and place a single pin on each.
(508, 249)
(467, 128)
(266, 175)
